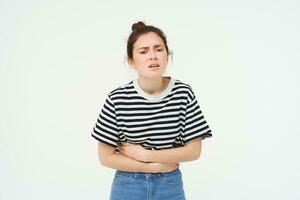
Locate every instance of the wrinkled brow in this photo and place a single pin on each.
(155, 46)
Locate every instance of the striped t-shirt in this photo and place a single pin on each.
(168, 120)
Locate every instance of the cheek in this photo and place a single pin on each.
(165, 59)
(139, 59)
(164, 56)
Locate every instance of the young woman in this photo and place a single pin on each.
(149, 125)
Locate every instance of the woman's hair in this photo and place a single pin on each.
(138, 29)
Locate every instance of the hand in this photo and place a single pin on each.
(135, 151)
(162, 167)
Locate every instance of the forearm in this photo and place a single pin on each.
(176, 155)
(124, 163)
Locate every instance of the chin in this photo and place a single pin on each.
(158, 75)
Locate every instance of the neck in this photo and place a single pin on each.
(153, 86)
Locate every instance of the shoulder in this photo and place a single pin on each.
(123, 89)
(184, 88)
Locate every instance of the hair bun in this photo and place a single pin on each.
(137, 25)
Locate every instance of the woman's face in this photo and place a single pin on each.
(150, 57)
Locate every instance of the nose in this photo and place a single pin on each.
(153, 55)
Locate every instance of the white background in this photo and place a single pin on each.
(59, 60)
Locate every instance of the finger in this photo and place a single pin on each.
(122, 149)
(122, 152)
(129, 144)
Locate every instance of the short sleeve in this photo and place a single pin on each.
(195, 124)
(106, 129)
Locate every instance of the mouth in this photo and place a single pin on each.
(154, 66)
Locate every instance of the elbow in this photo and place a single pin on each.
(103, 161)
(195, 149)
(194, 155)
(104, 154)
(197, 155)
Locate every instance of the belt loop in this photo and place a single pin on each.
(147, 176)
(135, 175)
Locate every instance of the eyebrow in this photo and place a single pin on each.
(155, 46)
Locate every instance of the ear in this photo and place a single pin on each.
(131, 63)
(168, 58)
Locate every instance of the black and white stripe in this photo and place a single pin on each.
(168, 122)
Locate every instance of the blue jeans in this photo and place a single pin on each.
(147, 186)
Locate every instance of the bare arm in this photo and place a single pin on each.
(191, 151)
(110, 158)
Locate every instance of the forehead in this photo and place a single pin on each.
(147, 40)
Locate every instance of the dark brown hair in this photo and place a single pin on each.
(138, 29)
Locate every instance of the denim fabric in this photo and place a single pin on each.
(147, 186)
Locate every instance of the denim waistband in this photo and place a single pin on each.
(144, 175)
